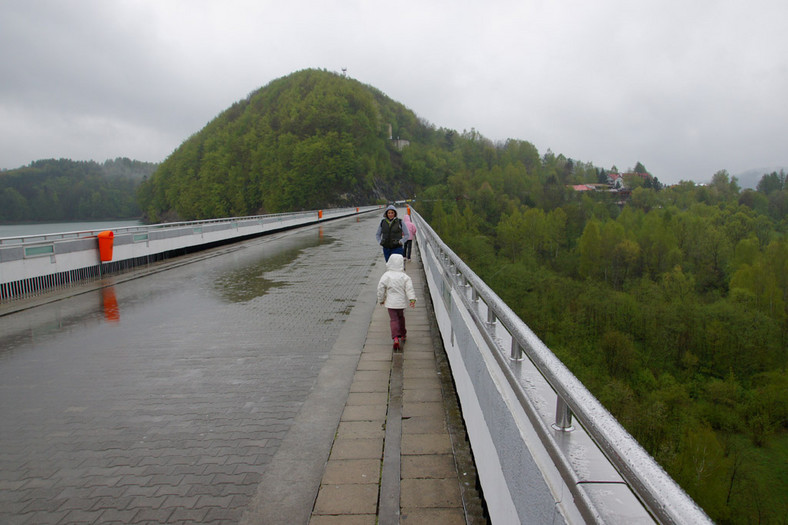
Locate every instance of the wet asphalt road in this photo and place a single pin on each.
(162, 399)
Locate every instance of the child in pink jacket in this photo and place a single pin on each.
(395, 291)
(412, 231)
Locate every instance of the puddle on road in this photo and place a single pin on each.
(250, 282)
(234, 282)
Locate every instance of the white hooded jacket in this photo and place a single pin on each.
(395, 288)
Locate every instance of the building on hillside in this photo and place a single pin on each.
(615, 180)
(618, 180)
(581, 187)
(399, 143)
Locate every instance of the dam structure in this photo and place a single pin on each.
(241, 371)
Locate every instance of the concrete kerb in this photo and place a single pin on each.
(291, 482)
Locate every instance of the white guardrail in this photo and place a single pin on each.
(33, 264)
(536, 463)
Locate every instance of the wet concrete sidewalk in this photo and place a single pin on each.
(400, 454)
(224, 388)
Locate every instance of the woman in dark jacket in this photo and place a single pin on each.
(392, 233)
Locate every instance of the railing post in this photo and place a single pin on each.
(517, 351)
(563, 416)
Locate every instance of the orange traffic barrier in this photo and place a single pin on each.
(319, 214)
(105, 242)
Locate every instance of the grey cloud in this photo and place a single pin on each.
(687, 89)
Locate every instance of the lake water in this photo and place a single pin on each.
(18, 230)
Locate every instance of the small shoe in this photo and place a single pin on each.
(396, 344)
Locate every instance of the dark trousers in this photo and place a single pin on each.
(397, 322)
(388, 251)
(408, 247)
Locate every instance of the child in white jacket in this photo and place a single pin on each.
(395, 291)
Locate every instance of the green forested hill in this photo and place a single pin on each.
(309, 140)
(67, 190)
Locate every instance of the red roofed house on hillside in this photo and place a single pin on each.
(618, 180)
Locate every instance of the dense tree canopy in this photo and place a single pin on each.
(66, 190)
(671, 306)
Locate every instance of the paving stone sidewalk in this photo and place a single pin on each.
(400, 455)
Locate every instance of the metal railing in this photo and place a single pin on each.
(59, 236)
(510, 341)
(27, 262)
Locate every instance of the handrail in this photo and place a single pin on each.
(32, 264)
(665, 500)
(43, 237)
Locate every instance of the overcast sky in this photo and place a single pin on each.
(685, 87)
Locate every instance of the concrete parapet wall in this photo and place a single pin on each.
(516, 490)
(29, 265)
